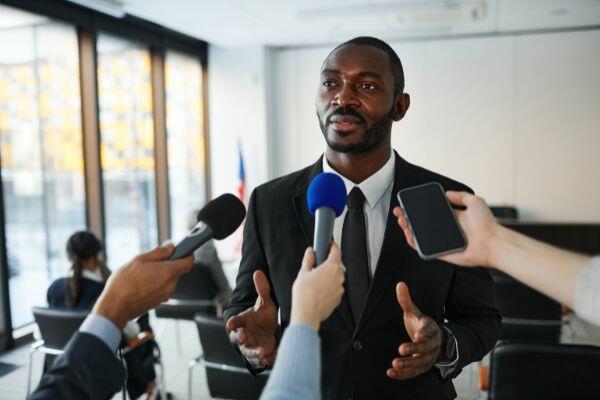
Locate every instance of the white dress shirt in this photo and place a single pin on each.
(378, 191)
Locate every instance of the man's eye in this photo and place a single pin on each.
(328, 84)
(367, 86)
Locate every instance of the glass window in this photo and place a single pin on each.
(185, 139)
(41, 153)
(127, 148)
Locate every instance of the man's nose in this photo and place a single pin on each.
(346, 97)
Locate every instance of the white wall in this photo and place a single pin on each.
(237, 112)
(515, 117)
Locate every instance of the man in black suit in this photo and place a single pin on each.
(382, 342)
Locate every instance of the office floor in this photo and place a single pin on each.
(177, 354)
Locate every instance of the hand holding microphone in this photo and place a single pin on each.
(151, 277)
(317, 291)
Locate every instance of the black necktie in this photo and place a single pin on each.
(354, 252)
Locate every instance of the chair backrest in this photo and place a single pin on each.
(215, 343)
(530, 370)
(198, 284)
(195, 293)
(57, 325)
(526, 313)
(505, 212)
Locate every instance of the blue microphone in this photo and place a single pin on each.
(326, 197)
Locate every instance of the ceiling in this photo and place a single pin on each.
(309, 22)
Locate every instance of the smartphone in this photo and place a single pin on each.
(432, 220)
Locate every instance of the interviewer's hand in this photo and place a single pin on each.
(478, 224)
(142, 284)
(317, 291)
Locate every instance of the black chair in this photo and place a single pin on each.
(226, 373)
(526, 313)
(530, 370)
(56, 328)
(505, 212)
(195, 293)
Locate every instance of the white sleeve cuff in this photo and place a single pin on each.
(103, 329)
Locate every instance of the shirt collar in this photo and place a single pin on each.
(374, 186)
(95, 276)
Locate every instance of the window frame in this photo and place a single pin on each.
(158, 40)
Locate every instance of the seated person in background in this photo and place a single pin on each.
(569, 278)
(207, 256)
(81, 289)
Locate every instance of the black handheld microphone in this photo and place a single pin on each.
(326, 198)
(218, 219)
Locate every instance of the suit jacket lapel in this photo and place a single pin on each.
(393, 250)
(307, 222)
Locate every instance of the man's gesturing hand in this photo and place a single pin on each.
(420, 355)
(140, 285)
(254, 329)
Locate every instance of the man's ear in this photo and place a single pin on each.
(401, 107)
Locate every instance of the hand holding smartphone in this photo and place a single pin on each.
(432, 220)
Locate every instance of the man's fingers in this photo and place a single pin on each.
(419, 363)
(159, 253)
(397, 211)
(403, 296)
(179, 267)
(403, 223)
(460, 199)
(261, 284)
(235, 322)
(402, 374)
(335, 255)
(427, 329)
(308, 262)
(239, 337)
(424, 347)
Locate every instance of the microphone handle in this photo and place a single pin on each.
(324, 218)
(196, 238)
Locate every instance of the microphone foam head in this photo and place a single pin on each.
(326, 190)
(223, 215)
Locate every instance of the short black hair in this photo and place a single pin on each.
(396, 64)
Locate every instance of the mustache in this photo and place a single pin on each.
(345, 111)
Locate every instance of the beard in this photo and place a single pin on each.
(371, 138)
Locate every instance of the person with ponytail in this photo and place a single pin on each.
(80, 290)
(87, 277)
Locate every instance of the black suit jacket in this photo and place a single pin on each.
(355, 357)
(86, 370)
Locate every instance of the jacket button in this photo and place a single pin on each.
(357, 345)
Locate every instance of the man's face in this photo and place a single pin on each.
(355, 100)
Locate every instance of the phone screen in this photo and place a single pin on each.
(432, 220)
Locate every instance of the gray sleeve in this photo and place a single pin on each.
(207, 255)
(586, 301)
(297, 371)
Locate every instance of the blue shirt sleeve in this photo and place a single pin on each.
(297, 371)
(103, 329)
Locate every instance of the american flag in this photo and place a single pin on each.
(241, 189)
(241, 194)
